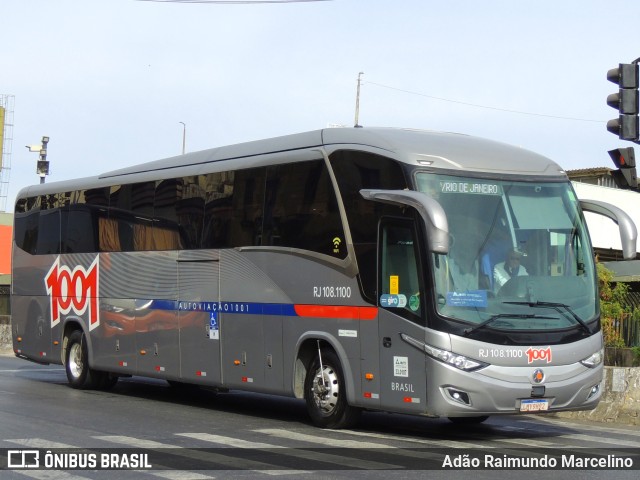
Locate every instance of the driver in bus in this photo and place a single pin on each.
(463, 259)
(511, 267)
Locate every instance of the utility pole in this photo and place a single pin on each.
(356, 125)
(184, 136)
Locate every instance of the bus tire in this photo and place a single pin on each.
(469, 420)
(76, 363)
(326, 395)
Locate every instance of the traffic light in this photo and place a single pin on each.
(625, 160)
(625, 101)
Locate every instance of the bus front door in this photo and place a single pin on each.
(402, 363)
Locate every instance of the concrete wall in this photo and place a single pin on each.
(5, 332)
(621, 399)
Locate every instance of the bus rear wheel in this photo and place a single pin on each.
(79, 374)
(326, 395)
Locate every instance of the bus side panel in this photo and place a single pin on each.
(31, 320)
(273, 373)
(30, 328)
(320, 303)
(138, 330)
(249, 298)
(403, 368)
(370, 342)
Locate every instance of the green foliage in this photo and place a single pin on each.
(612, 308)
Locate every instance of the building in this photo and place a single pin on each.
(6, 229)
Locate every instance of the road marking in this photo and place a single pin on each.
(322, 440)
(600, 439)
(229, 441)
(423, 441)
(39, 443)
(208, 457)
(592, 427)
(178, 475)
(17, 370)
(315, 455)
(529, 442)
(48, 474)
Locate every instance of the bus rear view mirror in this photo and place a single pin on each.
(432, 213)
(628, 232)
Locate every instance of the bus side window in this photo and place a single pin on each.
(355, 170)
(301, 209)
(26, 234)
(399, 272)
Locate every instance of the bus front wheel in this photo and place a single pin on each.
(325, 393)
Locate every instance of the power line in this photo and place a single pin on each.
(234, 2)
(520, 112)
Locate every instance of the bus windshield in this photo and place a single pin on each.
(519, 259)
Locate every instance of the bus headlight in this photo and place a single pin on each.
(594, 360)
(459, 361)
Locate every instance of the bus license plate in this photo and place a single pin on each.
(534, 405)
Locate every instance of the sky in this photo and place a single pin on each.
(109, 81)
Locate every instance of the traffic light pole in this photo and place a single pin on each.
(42, 167)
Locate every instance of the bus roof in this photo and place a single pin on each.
(436, 150)
(451, 151)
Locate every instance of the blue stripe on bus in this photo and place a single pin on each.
(283, 309)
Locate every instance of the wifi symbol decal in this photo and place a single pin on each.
(336, 244)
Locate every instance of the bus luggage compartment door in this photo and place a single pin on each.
(198, 316)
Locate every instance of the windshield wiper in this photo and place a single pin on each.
(561, 308)
(519, 316)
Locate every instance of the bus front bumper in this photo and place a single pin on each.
(508, 390)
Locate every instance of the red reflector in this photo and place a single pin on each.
(367, 394)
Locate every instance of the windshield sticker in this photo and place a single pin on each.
(472, 188)
(393, 301)
(394, 284)
(414, 302)
(472, 298)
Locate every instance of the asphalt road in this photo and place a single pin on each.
(197, 434)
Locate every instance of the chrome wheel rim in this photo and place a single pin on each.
(325, 389)
(75, 360)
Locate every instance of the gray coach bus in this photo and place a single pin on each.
(398, 270)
